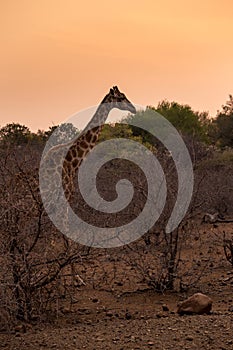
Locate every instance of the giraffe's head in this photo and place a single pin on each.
(119, 100)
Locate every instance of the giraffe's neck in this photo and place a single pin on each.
(99, 117)
(89, 136)
(83, 145)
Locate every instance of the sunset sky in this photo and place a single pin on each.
(60, 56)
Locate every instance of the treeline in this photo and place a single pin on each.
(217, 131)
(18, 134)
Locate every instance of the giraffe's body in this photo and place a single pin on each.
(75, 151)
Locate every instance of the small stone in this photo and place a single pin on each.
(150, 343)
(109, 314)
(128, 316)
(100, 339)
(165, 307)
(95, 300)
(189, 337)
(120, 284)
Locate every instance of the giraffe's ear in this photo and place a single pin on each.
(111, 91)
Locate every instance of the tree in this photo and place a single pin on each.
(36, 260)
(185, 119)
(116, 130)
(61, 134)
(14, 133)
(228, 107)
(182, 117)
(224, 125)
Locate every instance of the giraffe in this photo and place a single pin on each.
(76, 151)
(89, 137)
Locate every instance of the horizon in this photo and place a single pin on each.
(60, 58)
(114, 116)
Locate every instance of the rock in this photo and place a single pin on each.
(100, 339)
(95, 300)
(189, 337)
(165, 307)
(150, 343)
(128, 315)
(120, 284)
(197, 304)
(109, 314)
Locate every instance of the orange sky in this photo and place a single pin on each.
(60, 56)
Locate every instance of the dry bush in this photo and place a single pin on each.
(37, 261)
(40, 266)
(161, 264)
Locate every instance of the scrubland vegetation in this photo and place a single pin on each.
(42, 272)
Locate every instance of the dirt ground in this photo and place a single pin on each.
(129, 315)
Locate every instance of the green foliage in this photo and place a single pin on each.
(14, 133)
(189, 123)
(62, 134)
(228, 107)
(115, 131)
(223, 125)
(219, 159)
(17, 134)
(122, 130)
(148, 116)
(182, 117)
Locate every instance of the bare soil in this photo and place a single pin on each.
(117, 310)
